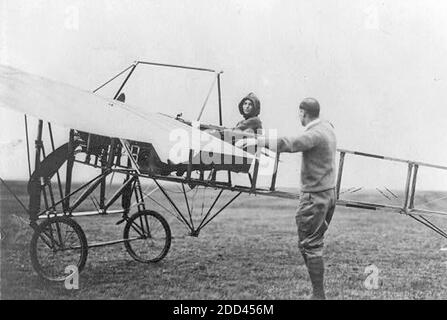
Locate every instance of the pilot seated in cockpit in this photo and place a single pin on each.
(250, 107)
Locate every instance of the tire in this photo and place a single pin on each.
(46, 242)
(144, 247)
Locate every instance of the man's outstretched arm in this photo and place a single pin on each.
(299, 143)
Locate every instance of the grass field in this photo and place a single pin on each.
(247, 252)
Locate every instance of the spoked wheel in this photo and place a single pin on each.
(57, 243)
(148, 236)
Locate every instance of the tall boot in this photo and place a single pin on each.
(315, 266)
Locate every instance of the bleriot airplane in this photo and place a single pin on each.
(118, 138)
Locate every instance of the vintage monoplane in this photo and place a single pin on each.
(117, 138)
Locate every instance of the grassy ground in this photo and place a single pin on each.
(247, 252)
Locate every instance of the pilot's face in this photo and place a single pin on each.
(247, 106)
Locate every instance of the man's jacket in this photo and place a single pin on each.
(319, 146)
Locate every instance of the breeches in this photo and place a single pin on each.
(313, 216)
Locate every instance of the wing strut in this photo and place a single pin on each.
(207, 97)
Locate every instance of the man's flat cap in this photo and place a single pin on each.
(311, 105)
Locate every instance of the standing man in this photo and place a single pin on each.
(317, 198)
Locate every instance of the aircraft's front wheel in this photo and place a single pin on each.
(148, 236)
(57, 247)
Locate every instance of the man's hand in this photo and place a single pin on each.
(246, 142)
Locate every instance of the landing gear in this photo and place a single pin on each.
(57, 243)
(148, 236)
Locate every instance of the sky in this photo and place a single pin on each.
(378, 68)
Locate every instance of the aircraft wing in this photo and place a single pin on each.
(82, 110)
